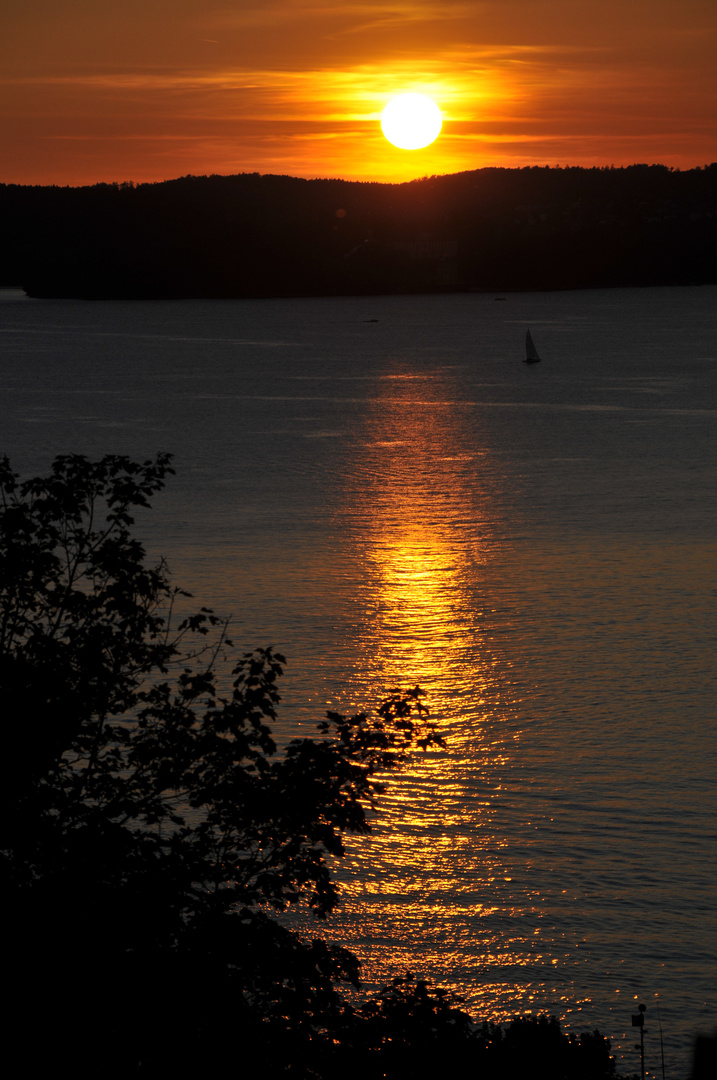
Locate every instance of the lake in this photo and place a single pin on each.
(380, 488)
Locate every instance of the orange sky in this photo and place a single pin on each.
(141, 90)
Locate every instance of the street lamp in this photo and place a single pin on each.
(639, 1021)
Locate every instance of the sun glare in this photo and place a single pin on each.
(411, 121)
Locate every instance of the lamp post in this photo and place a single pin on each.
(662, 1048)
(639, 1021)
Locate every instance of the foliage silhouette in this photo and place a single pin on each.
(150, 825)
(152, 833)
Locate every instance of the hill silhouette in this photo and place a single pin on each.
(252, 235)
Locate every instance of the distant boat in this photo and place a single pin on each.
(531, 353)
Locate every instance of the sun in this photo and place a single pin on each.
(411, 121)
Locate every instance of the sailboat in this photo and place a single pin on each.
(531, 353)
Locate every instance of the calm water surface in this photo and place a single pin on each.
(380, 488)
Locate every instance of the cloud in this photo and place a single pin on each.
(281, 85)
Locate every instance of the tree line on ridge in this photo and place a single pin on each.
(254, 235)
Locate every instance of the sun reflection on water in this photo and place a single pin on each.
(429, 890)
(422, 541)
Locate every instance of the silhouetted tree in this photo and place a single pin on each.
(150, 827)
(535, 1047)
(152, 833)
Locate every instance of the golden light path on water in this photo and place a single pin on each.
(431, 890)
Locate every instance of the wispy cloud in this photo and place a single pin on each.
(273, 85)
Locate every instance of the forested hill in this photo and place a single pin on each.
(253, 235)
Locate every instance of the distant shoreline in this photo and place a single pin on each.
(251, 236)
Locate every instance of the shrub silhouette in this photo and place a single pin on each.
(153, 833)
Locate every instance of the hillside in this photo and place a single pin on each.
(253, 236)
